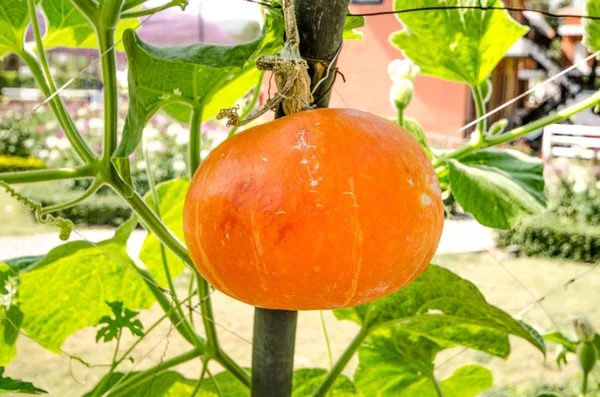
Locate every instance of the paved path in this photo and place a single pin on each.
(459, 236)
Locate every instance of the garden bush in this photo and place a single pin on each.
(101, 209)
(15, 163)
(554, 237)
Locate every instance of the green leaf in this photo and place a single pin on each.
(462, 45)
(499, 187)
(206, 76)
(8, 385)
(124, 318)
(14, 18)
(559, 338)
(23, 263)
(68, 289)
(165, 384)
(467, 381)
(171, 197)
(447, 310)
(350, 26)
(591, 28)
(68, 27)
(305, 381)
(389, 366)
(11, 316)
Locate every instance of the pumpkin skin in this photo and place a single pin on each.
(323, 209)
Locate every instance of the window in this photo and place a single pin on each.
(366, 1)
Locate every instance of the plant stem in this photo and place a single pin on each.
(273, 352)
(195, 145)
(584, 383)
(58, 107)
(113, 365)
(89, 191)
(400, 117)
(125, 388)
(202, 375)
(479, 112)
(251, 104)
(129, 4)
(326, 337)
(57, 174)
(88, 8)
(217, 388)
(149, 11)
(521, 131)
(106, 42)
(339, 365)
(227, 362)
(438, 387)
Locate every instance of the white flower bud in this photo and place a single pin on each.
(584, 329)
(403, 69)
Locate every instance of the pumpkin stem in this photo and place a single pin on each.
(273, 352)
(291, 75)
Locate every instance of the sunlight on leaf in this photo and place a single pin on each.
(68, 289)
(350, 26)
(10, 314)
(447, 310)
(192, 76)
(591, 28)
(459, 45)
(13, 24)
(68, 27)
(499, 187)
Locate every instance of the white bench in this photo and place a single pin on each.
(572, 141)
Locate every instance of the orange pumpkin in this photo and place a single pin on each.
(322, 209)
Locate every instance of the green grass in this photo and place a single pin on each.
(523, 374)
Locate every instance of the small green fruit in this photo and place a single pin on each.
(587, 355)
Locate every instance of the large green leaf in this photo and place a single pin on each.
(392, 365)
(461, 45)
(171, 195)
(9, 385)
(305, 381)
(68, 289)
(165, 384)
(499, 187)
(10, 314)
(447, 310)
(591, 27)
(13, 24)
(205, 76)
(68, 27)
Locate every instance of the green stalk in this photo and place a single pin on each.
(400, 117)
(106, 42)
(521, 131)
(195, 148)
(129, 4)
(438, 387)
(113, 365)
(326, 337)
(584, 383)
(479, 112)
(206, 309)
(339, 365)
(250, 106)
(176, 318)
(58, 107)
(163, 253)
(57, 174)
(127, 386)
(149, 11)
(91, 190)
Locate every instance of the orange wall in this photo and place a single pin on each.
(440, 106)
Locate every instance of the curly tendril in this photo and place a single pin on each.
(44, 218)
